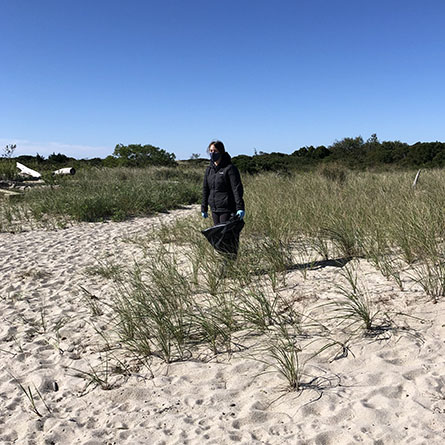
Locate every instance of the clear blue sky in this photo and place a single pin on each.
(80, 76)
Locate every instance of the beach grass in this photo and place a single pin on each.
(185, 301)
(102, 194)
(214, 306)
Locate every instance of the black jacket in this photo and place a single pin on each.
(222, 189)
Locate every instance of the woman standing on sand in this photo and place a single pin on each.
(222, 188)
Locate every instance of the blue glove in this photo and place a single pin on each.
(204, 214)
(241, 214)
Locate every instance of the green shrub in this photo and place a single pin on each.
(333, 172)
(8, 170)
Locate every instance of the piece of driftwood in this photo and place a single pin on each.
(416, 178)
(28, 171)
(9, 193)
(65, 171)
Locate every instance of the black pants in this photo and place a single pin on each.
(219, 218)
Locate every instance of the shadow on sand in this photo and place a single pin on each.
(315, 265)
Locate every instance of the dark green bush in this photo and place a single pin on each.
(333, 172)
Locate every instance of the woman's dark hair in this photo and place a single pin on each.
(218, 145)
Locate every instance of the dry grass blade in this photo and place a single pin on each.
(31, 398)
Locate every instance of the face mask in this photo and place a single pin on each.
(214, 156)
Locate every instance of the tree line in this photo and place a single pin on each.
(354, 153)
(133, 155)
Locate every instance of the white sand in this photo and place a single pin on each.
(386, 390)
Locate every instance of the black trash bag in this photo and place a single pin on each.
(225, 237)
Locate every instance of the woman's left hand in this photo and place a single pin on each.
(241, 214)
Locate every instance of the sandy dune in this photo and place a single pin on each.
(386, 389)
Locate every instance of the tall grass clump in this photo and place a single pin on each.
(174, 309)
(289, 354)
(379, 253)
(98, 194)
(188, 301)
(354, 308)
(286, 359)
(361, 214)
(334, 172)
(259, 309)
(8, 170)
(429, 273)
(180, 304)
(16, 217)
(153, 310)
